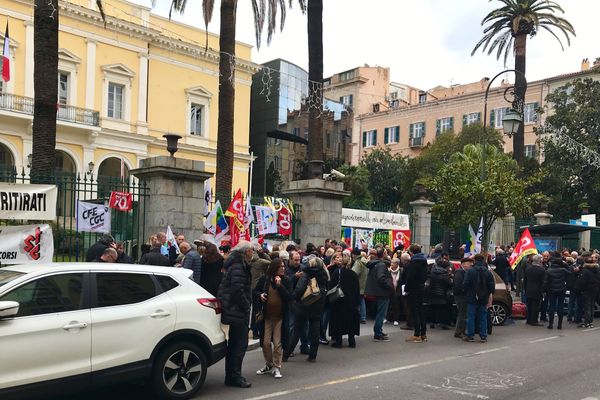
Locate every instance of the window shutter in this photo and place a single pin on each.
(364, 139)
(464, 120)
(375, 137)
(438, 126)
(478, 116)
(493, 118)
(386, 135)
(350, 101)
(411, 130)
(535, 113)
(342, 99)
(397, 133)
(451, 123)
(423, 135)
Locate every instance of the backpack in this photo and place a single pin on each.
(312, 294)
(481, 287)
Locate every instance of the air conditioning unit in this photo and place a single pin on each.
(376, 108)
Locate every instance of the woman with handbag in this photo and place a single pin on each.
(393, 314)
(274, 292)
(309, 297)
(344, 300)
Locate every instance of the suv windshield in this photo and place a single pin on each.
(7, 276)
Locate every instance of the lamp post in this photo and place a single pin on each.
(510, 125)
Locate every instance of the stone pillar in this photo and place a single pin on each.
(508, 229)
(542, 218)
(320, 207)
(421, 230)
(174, 196)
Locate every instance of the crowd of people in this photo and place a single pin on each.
(314, 296)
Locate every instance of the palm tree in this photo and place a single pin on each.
(507, 30)
(263, 10)
(315, 76)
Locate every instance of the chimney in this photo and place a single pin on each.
(585, 64)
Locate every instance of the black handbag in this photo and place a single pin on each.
(336, 293)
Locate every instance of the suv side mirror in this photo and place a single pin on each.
(8, 309)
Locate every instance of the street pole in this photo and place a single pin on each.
(485, 235)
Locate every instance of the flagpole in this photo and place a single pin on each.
(251, 172)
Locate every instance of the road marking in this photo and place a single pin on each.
(368, 375)
(461, 392)
(492, 350)
(544, 339)
(590, 398)
(590, 330)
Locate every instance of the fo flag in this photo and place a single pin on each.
(524, 247)
(284, 221)
(93, 217)
(121, 201)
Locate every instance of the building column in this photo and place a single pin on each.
(29, 92)
(142, 118)
(421, 232)
(90, 75)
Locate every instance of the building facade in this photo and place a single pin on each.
(121, 87)
(410, 126)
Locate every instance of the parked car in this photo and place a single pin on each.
(75, 326)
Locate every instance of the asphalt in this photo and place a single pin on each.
(517, 362)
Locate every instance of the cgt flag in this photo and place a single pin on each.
(236, 210)
(524, 247)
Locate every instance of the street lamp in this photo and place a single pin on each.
(510, 125)
(90, 167)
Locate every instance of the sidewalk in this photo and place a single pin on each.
(252, 343)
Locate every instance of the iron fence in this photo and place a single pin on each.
(70, 245)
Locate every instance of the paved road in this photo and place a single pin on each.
(518, 362)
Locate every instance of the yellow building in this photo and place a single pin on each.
(121, 88)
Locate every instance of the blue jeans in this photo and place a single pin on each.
(477, 311)
(382, 307)
(303, 332)
(324, 322)
(555, 304)
(363, 309)
(572, 310)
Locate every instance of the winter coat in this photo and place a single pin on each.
(124, 259)
(379, 279)
(154, 257)
(235, 291)
(360, 269)
(533, 281)
(286, 293)
(502, 265)
(315, 309)
(572, 277)
(343, 317)
(439, 285)
(193, 261)
(211, 276)
(556, 277)
(290, 272)
(258, 267)
(414, 275)
(470, 284)
(588, 283)
(95, 251)
(459, 291)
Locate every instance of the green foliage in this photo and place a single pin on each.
(387, 180)
(463, 197)
(357, 183)
(568, 179)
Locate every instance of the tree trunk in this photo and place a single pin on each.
(224, 176)
(519, 102)
(315, 88)
(45, 76)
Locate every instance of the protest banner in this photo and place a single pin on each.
(92, 217)
(25, 244)
(27, 201)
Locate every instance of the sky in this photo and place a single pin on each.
(425, 43)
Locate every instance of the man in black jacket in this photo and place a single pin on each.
(533, 283)
(556, 288)
(235, 294)
(96, 250)
(379, 285)
(414, 276)
(460, 297)
(478, 285)
(155, 257)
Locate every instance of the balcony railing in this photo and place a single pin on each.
(416, 142)
(24, 105)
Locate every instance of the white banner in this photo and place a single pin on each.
(26, 244)
(363, 236)
(27, 201)
(266, 220)
(93, 217)
(374, 220)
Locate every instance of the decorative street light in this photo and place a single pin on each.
(90, 167)
(510, 124)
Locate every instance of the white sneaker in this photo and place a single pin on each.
(385, 321)
(277, 373)
(395, 323)
(264, 370)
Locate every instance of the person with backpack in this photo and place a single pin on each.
(309, 296)
(379, 285)
(478, 284)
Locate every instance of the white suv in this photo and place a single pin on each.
(75, 326)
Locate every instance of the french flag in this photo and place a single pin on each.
(6, 57)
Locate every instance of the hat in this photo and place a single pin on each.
(356, 251)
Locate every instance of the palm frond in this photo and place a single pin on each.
(258, 8)
(208, 7)
(178, 6)
(283, 14)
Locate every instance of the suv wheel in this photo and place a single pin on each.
(499, 313)
(179, 371)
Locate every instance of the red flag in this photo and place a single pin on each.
(284, 221)
(121, 201)
(234, 232)
(524, 247)
(401, 237)
(6, 57)
(236, 210)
